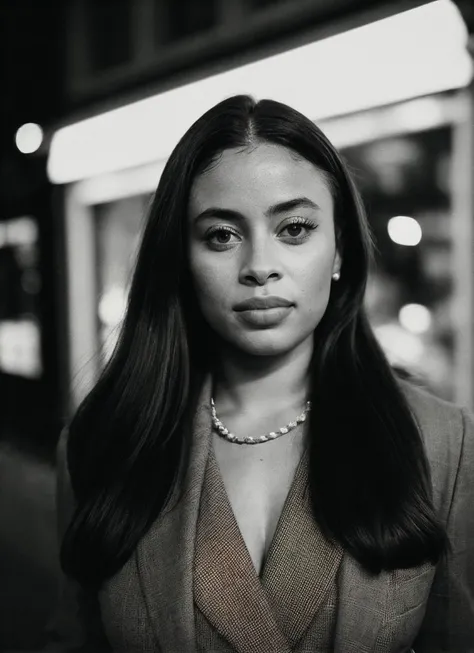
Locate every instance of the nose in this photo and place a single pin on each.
(260, 265)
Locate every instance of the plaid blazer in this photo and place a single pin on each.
(149, 605)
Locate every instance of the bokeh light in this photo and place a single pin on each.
(415, 318)
(29, 137)
(112, 306)
(404, 230)
(401, 346)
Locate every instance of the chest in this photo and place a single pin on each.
(257, 485)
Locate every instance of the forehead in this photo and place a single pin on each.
(262, 174)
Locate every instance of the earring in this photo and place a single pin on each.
(336, 276)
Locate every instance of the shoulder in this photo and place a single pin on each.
(448, 436)
(436, 417)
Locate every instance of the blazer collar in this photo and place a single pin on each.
(227, 588)
(165, 555)
(228, 591)
(300, 562)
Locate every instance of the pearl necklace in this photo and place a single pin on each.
(273, 435)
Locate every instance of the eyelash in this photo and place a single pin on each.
(300, 222)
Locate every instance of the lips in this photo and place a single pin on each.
(262, 303)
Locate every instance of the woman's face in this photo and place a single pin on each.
(261, 225)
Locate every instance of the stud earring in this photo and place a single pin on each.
(336, 276)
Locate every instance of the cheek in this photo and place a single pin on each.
(314, 277)
(212, 275)
(210, 285)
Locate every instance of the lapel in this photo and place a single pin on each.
(227, 588)
(362, 605)
(165, 555)
(300, 562)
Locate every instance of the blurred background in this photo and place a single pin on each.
(95, 94)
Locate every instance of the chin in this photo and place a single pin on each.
(265, 345)
(264, 342)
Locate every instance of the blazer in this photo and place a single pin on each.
(149, 605)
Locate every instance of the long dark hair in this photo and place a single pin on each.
(129, 441)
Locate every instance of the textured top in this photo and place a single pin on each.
(238, 611)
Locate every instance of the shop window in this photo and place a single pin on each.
(405, 186)
(109, 33)
(118, 231)
(179, 19)
(20, 285)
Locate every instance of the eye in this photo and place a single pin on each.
(220, 236)
(295, 228)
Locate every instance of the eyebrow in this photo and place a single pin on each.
(276, 209)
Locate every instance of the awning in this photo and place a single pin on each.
(415, 53)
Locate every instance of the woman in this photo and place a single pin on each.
(249, 474)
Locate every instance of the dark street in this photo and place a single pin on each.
(28, 548)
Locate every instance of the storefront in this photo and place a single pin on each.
(392, 96)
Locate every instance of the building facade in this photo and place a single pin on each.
(408, 145)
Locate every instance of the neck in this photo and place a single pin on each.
(255, 383)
